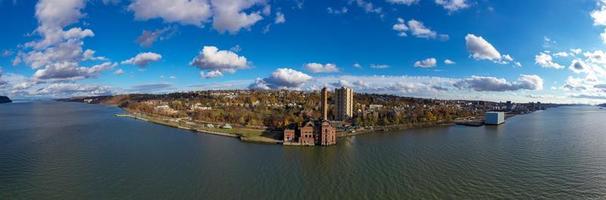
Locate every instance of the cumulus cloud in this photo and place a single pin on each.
(483, 83)
(449, 62)
(74, 89)
(231, 16)
(280, 18)
(119, 72)
(369, 7)
(143, 59)
(211, 74)
(561, 54)
(452, 5)
(578, 66)
(57, 54)
(417, 29)
(480, 49)
(545, 60)
(427, 63)
(53, 16)
(401, 27)
(188, 12)
(321, 68)
(213, 60)
(227, 16)
(89, 54)
(282, 78)
(599, 17)
(71, 71)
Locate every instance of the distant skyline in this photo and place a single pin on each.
(543, 50)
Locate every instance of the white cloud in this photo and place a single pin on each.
(230, 16)
(404, 2)
(561, 54)
(546, 61)
(599, 17)
(357, 65)
(282, 78)
(576, 51)
(321, 68)
(482, 83)
(578, 66)
(211, 74)
(368, 7)
(53, 16)
(71, 71)
(427, 63)
(212, 59)
(449, 62)
(279, 18)
(401, 27)
(341, 11)
(417, 29)
(143, 59)
(57, 54)
(452, 5)
(480, 49)
(119, 72)
(188, 12)
(379, 66)
(89, 54)
(73, 89)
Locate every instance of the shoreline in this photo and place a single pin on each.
(256, 135)
(197, 128)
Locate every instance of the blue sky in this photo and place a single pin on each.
(548, 51)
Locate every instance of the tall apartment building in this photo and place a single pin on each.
(324, 103)
(344, 103)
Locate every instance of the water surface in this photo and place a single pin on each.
(54, 150)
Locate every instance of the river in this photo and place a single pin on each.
(59, 150)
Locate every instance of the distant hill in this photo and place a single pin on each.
(5, 99)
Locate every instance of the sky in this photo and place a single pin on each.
(539, 50)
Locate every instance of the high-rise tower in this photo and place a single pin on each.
(344, 101)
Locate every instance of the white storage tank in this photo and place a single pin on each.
(494, 118)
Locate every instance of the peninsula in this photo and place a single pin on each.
(5, 99)
(281, 116)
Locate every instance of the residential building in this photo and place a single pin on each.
(344, 103)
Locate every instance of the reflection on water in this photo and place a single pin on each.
(78, 151)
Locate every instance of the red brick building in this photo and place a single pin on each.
(306, 134)
(326, 135)
(289, 135)
(312, 133)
